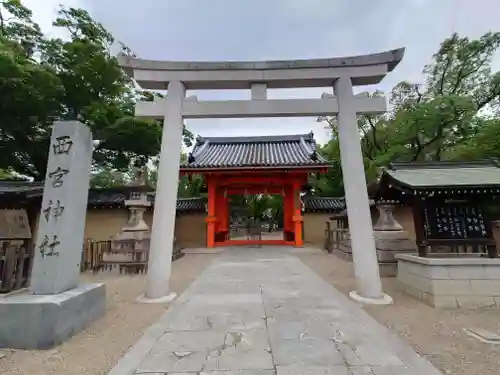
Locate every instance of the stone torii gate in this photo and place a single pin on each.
(342, 73)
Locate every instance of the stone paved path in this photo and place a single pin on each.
(262, 312)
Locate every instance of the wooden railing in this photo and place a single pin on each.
(100, 256)
(335, 237)
(92, 254)
(328, 245)
(16, 257)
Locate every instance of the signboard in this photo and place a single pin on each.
(14, 224)
(455, 221)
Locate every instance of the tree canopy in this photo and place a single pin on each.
(78, 78)
(453, 114)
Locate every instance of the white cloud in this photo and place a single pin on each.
(44, 12)
(285, 29)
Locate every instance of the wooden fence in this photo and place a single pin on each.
(92, 254)
(99, 256)
(16, 258)
(335, 237)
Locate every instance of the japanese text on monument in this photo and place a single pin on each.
(55, 209)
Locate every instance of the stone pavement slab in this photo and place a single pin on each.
(262, 312)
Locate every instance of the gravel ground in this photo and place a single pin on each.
(435, 334)
(97, 349)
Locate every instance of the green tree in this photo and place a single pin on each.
(189, 186)
(5, 175)
(107, 178)
(42, 79)
(442, 118)
(485, 144)
(442, 113)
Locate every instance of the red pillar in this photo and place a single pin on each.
(225, 213)
(211, 215)
(288, 210)
(297, 217)
(222, 212)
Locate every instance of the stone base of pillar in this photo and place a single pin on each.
(166, 299)
(388, 244)
(384, 299)
(30, 321)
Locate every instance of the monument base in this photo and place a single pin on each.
(43, 321)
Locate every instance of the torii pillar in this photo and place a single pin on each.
(162, 231)
(358, 206)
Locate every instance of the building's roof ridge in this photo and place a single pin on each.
(190, 198)
(445, 164)
(323, 197)
(257, 139)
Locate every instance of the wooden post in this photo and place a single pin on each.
(211, 217)
(297, 218)
(418, 222)
(288, 211)
(222, 213)
(226, 216)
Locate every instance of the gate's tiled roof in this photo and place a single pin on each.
(283, 151)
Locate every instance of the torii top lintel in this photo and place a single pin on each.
(198, 75)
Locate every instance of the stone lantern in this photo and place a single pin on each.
(135, 234)
(386, 221)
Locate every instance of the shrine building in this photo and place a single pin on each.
(443, 207)
(254, 165)
(451, 204)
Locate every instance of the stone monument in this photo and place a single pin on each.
(56, 306)
(390, 239)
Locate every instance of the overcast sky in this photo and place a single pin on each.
(283, 29)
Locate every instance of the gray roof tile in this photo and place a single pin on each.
(20, 187)
(97, 196)
(268, 151)
(446, 174)
(110, 197)
(191, 205)
(324, 204)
